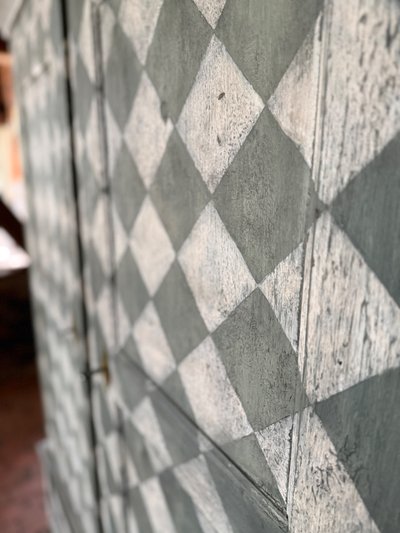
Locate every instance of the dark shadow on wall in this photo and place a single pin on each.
(21, 423)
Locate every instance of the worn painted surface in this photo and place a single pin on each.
(238, 186)
(51, 234)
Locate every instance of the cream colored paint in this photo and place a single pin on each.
(216, 406)
(214, 268)
(86, 41)
(105, 315)
(100, 233)
(362, 112)
(353, 323)
(145, 420)
(146, 133)
(325, 498)
(151, 246)
(156, 355)
(294, 102)
(114, 138)
(219, 113)
(138, 19)
(282, 290)
(156, 505)
(196, 480)
(275, 444)
(211, 9)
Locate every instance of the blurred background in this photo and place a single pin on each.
(21, 424)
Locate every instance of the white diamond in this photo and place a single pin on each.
(215, 404)
(275, 445)
(362, 91)
(145, 420)
(152, 344)
(219, 113)
(294, 102)
(131, 471)
(113, 456)
(121, 238)
(86, 43)
(214, 268)
(353, 322)
(151, 247)
(93, 143)
(106, 317)
(107, 30)
(100, 234)
(104, 505)
(117, 510)
(123, 323)
(114, 138)
(147, 133)
(211, 10)
(282, 290)
(79, 144)
(97, 413)
(156, 505)
(138, 19)
(195, 478)
(325, 498)
(131, 521)
(89, 296)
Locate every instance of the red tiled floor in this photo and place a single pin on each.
(21, 427)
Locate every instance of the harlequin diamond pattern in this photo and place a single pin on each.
(52, 238)
(166, 455)
(219, 113)
(138, 20)
(220, 245)
(215, 281)
(214, 268)
(147, 131)
(151, 246)
(180, 40)
(123, 90)
(211, 10)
